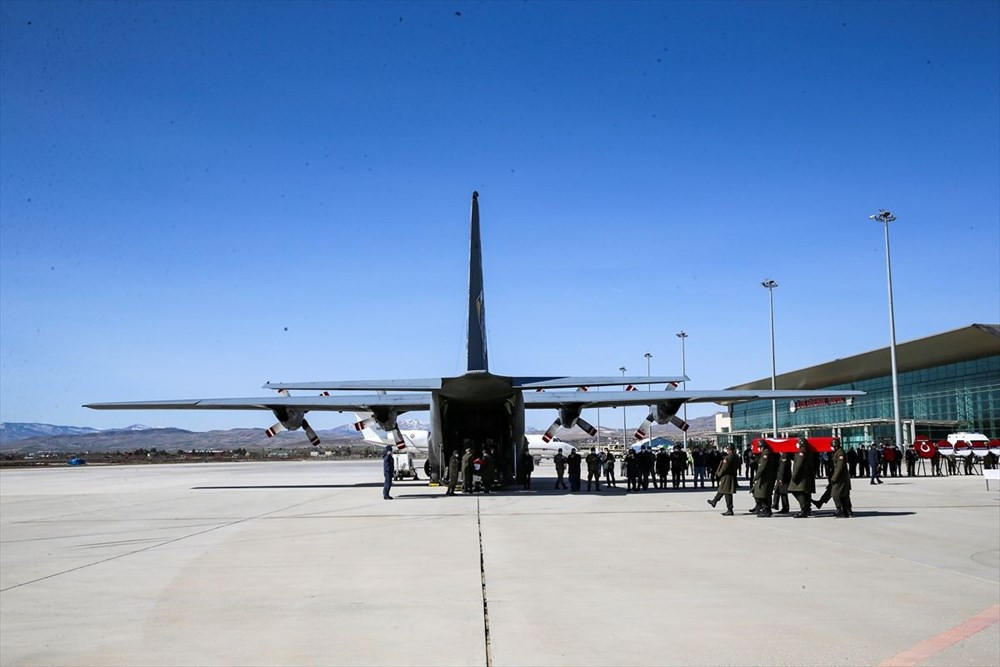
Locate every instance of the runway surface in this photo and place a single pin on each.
(304, 563)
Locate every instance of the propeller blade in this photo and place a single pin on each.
(591, 431)
(364, 423)
(277, 428)
(679, 423)
(552, 430)
(310, 433)
(643, 429)
(398, 436)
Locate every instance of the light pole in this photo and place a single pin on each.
(682, 336)
(624, 422)
(886, 217)
(648, 357)
(770, 285)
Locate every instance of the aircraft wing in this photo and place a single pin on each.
(419, 384)
(567, 381)
(341, 403)
(605, 399)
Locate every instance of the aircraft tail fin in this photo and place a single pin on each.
(477, 355)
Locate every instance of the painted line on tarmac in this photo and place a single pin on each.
(482, 576)
(919, 652)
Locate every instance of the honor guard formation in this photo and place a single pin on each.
(770, 475)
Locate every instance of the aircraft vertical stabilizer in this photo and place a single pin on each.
(478, 360)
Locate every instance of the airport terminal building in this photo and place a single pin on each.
(948, 382)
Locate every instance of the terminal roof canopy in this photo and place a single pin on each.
(971, 342)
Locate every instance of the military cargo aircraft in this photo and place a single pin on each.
(479, 406)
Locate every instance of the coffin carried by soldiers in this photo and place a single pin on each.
(791, 445)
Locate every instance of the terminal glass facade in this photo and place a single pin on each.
(934, 401)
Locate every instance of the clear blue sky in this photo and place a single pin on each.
(199, 198)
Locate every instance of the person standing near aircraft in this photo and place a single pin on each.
(700, 459)
(803, 483)
(661, 467)
(560, 462)
(609, 468)
(527, 466)
(467, 469)
(454, 464)
(573, 463)
(593, 468)
(645, 458)
(726, 474)
(678, 466)
(388, 468)
(631, 470)
(489, 467)
(874, 460)
(764, 478)
(840, 482)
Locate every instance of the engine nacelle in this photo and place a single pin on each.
(667, 411)
(384, 417)
(290, 418)
(568, 414)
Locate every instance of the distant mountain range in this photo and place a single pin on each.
(53, 438)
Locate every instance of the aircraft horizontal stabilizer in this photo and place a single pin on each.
(568, 381)
(419, 384)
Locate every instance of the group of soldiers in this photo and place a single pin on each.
(773, 476)
(778, 475)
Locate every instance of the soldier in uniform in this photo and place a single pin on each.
(593, 468)
(560, 461)
(453, 466)
(803, 483)
(763, 480)
(784, 476)
(840, 482)
(527, 467)
(467, 469)
(609, 468)
(388, 468)
(726, 474)
(488, 469)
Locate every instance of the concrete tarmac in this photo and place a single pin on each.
(303, 563)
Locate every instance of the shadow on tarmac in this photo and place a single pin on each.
(291, 486)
